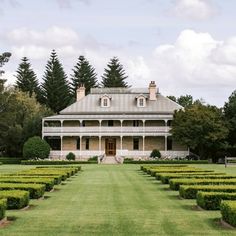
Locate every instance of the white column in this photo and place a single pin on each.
(143, 144)
(80, 145)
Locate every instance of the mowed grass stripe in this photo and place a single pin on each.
(113, 200)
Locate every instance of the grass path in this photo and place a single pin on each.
(113, 200)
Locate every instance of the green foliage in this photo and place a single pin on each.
(46, 162)
(228, 212)
(212, 200)
(55, 87)
(201, 128)
(26, 79)
(155, 153)
(16, 199)
(164, 162)
(35, 148)
(10, 160)
(35, 190)
(183, 100)
(114, 75)
(3, 207)
(190, 191)
(83, 73)
(70, 156)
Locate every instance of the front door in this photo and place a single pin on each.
(110, 146)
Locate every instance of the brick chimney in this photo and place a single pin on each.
(152, 91)
(80, 92)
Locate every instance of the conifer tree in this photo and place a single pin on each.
(26, 78)
(83, 73)
(55, 87)
(114, 75)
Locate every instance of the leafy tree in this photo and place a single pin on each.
(26, 78)
(201, 128)
(173, 98)
(114, 75)
(185, 100)
(83, 73)
(230, 115)
(55, 87)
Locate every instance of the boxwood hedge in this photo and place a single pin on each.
(3, 207)
(35, 190)
(16, 199)
(212, 200)
(228, 212)
(190, 191)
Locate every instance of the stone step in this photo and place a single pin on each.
(109, 160)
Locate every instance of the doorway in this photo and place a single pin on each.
(110, 146)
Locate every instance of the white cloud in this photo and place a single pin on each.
(67, 3)
(194, 9)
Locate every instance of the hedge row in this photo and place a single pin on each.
(16, 199)
(10, 160)
(165, 162)
(49, 182)
(228, 212)
(212, 200)
(165, 178)
(56, 162)
(76, 168)
(190, 191)
(3, 207)
(175, 183)
(35, 190)
(146, 167)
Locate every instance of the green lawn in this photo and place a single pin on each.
(113, 200)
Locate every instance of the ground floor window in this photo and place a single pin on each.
(78, 143)
(136, 143)
(87, 144)
(54, 142)
(169, 143)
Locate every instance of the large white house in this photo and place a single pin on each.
(121, 122)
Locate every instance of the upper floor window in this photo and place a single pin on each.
(141, 103)
(135, 123)
(105, 101)
(110, 123)
(141, 100)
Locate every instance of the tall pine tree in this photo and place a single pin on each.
(55, 87)
(114, 75)
(83, 73)
(26, 78)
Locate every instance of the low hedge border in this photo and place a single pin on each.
(76, 168)
(228, 212)
(35, 190)
(175, 183)
(190, 191)
(16, 199)
(212, 200)
(3, 207)
(145, 167)
(57, 162)
(165, 162)
(153, 172)
(10, 160)
(165, 178)
(32, 174)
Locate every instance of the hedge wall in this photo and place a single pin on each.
(190, 191)
(56, 162)
(10, 160)
(16, 199)
(228, 212)
(165, 162)
(212, 200)
(3, 207)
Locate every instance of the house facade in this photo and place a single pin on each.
(122, 122)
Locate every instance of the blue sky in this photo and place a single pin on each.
(186, 46)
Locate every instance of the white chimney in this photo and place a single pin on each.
(152, 91)
(80, 93)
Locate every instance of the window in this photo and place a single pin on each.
(87, 144)
(135, 123)
(78, 144)
(136, 143)
(110, 123)
(141, 102)
(169, 143)
(83, 123)
(105, 102)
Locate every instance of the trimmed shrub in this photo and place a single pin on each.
(10, 160)
(175, 183)
(155, 153)
(47, 162)
(36, 147)
(190, 191)
(165, 162)
(228, 212)
(3, 207)
(16, 199)
(76, 168)
(35, 190)
(212, 200)
(70, 156)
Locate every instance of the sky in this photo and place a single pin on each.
(186, 46)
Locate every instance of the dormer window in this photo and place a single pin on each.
(105, 101)
(141, 100)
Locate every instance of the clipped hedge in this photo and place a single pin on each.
(10, 160)
(145, 167)
(165, 162)
(39, 175)
(228, 212)
(16, 199)
(46, 162)
(212, 200)
(49, 182)
(76, 168)
(3, 207)
(190, 191)
(0, 163)
(35, 190)
(175, 183)
(166, 177)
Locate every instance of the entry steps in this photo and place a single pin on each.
(109, 160)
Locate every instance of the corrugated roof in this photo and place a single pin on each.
(120, 103)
